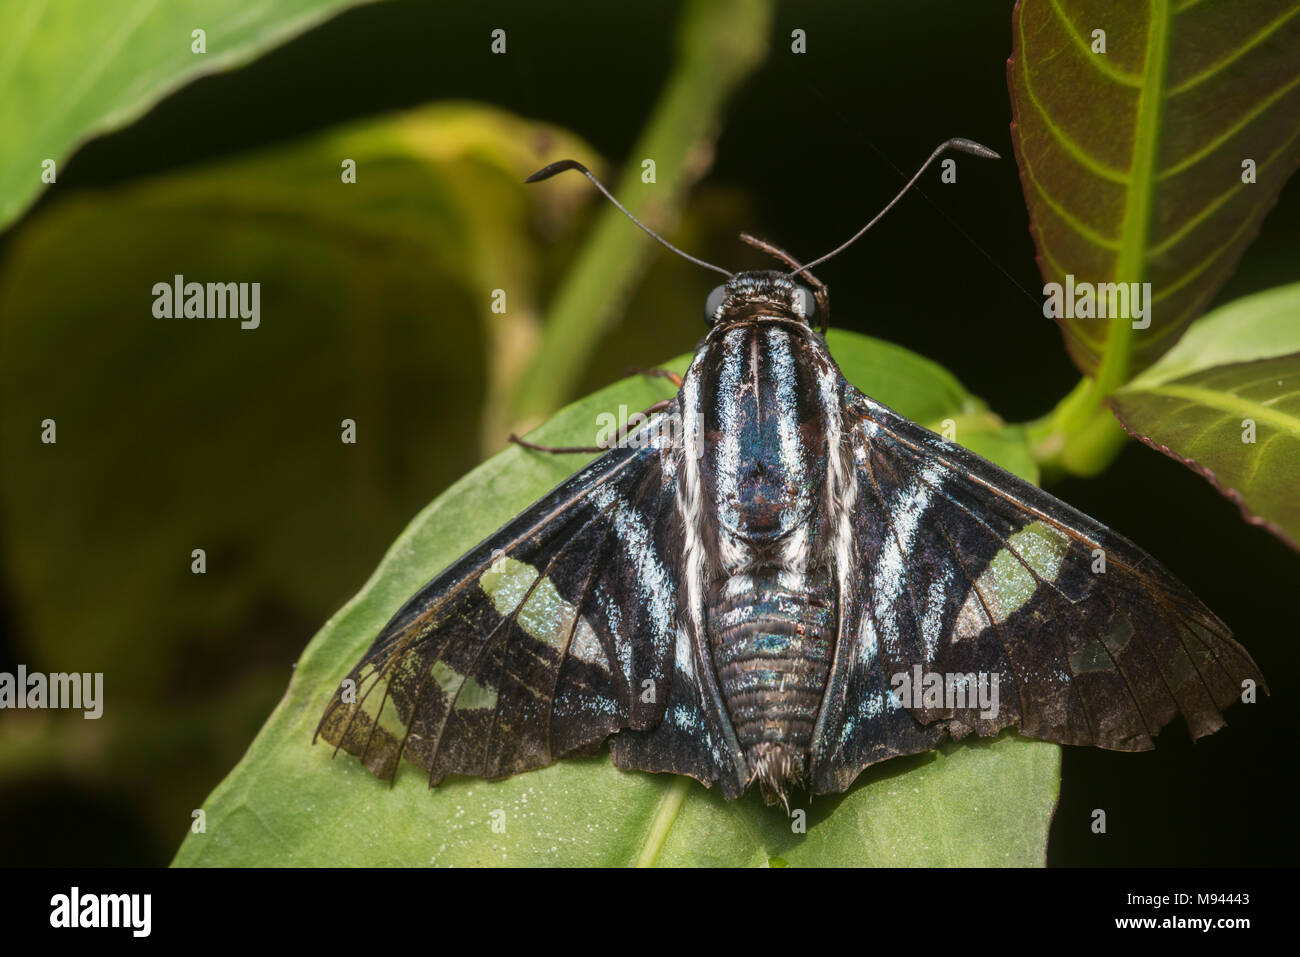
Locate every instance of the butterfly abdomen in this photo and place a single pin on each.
(771, 633)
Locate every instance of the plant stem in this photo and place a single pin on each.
(1078, 437)
(719, 43)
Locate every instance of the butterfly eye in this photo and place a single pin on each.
(806, 303)
(714, 303)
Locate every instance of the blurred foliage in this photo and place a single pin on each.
(351, 276)
(981, 803)
(70, 70)
(718, 43)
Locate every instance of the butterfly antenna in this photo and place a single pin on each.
(956, 143)
(546, 172)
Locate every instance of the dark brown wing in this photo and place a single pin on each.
(537, 642)
(964, 570)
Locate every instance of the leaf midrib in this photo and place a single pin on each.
(1140, 198)
(666, 812)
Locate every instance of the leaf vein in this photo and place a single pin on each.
(1084, 158)
(1263, 107)
(1222, 64)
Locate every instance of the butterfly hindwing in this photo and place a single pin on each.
(691, 739)
(963, 570)
(534, 644)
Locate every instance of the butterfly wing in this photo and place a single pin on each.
(536, 643)
(961, 568)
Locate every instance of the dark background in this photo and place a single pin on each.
(816, 143)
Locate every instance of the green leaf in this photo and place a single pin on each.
(1226, 403)
(1261, 326)
(982, 802)
(1132, 159)
(70, 70)
(375, 307)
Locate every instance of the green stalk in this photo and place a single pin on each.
(719, 43)
(1080, 436)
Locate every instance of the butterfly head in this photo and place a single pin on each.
(747, 295)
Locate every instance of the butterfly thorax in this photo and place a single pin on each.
(769, 597)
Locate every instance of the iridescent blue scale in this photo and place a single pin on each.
(772, 658)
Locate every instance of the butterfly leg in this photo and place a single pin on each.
(622, 434)
(556, 449)
(672, 377)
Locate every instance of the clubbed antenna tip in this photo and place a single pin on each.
(970, 146)
(559, 166)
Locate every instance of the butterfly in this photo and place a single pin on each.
(779, 581)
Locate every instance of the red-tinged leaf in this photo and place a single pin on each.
(1134, 160)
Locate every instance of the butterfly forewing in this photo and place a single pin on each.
(536, 643)
(967, 570)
